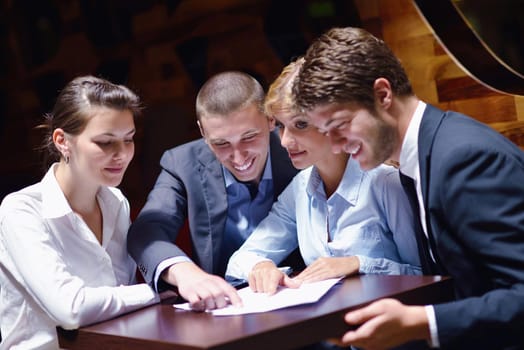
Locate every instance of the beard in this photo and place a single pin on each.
(382, 144)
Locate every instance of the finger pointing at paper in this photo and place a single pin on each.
(265, 277)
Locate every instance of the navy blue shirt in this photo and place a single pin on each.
(244, 211)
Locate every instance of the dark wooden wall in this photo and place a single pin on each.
(436, 77)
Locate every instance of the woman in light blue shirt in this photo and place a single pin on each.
(344, 220)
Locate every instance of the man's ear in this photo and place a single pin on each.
(60, 141)
(201, 129)
(271, 121)
(383, 93)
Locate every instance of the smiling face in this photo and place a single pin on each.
(306, 146)
(355, 130)
(240, 141)
(101, 153)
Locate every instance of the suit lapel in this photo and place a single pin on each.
(211, 179)
(431, 121)
(428, 129)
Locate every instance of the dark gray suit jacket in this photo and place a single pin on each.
(472, 182)
(191, 186)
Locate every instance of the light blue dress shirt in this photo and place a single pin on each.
(368, 216)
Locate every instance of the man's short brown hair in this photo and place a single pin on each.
(227, 92)
(342, 65)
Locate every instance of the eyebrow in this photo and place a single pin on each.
(300, 116)
(247, 133)
(111, 134)
(330, 121)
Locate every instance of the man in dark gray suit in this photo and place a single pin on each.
(222, 184)
(466, 181)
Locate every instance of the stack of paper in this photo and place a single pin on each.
(284, 297)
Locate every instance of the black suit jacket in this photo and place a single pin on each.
(472, 181)
(191, 186)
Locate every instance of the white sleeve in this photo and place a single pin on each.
(433, 330)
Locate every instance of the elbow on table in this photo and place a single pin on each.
(67, 318)
(74, 312)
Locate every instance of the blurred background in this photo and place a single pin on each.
(165, 49)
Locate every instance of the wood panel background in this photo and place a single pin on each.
(165, 49)
(436, 77)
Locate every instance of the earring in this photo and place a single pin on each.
(66, 157)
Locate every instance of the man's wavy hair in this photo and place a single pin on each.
(342, 65)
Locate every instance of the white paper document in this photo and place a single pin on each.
(284, 297)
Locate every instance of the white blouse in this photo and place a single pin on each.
(54, 272)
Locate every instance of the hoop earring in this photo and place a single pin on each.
(66, 159)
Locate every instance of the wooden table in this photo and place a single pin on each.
(164, 327)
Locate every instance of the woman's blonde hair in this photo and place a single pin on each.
(279, 98)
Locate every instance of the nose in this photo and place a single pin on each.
(286, 139)
(238, 155)
(337, 141)
(123, 150)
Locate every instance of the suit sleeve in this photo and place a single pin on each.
(481, 209)
(151, 237)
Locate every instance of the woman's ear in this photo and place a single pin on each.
(383, 93)
(60, 141)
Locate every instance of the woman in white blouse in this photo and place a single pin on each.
(63, 258)
(344, 220)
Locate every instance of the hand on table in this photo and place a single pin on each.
(385, 324)
(329, 267)
(202, 290)
(265, 277)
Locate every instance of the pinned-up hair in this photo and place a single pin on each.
(76, 104)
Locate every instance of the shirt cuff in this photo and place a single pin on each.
(433, 330)
(138, 295)
(366, 265)
(241, 264)
(164, 265)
